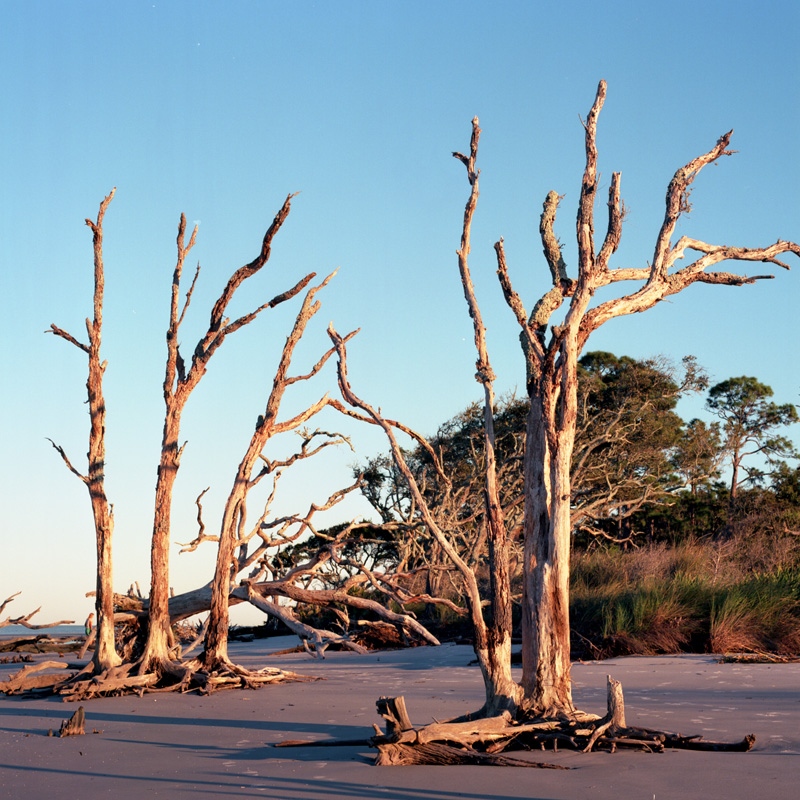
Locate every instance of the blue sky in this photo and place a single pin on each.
(219, 111)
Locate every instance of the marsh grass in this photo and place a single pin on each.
(693, 597)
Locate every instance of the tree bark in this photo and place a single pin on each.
(545, 604)
(235, 513)
(74, 726)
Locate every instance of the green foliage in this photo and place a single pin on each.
(627, 431)
(750, 422)
(640, 475)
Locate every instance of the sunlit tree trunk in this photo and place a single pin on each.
(179, 383)
(552, 353)
(105, 655)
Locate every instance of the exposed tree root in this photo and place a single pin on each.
(437, 754)
(480, 741)
(123, 679)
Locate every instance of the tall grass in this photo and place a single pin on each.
(687, 598)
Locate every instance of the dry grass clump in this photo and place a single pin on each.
(693, 597)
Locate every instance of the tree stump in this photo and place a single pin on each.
(74, 725)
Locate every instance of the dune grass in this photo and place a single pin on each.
(689, 598)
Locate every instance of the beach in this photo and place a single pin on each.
(181, 746)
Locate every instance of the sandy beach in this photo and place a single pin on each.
(167, 745)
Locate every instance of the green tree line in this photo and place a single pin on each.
(641, 473)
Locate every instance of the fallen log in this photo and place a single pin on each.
(40, 644)
(437, 754)
(441, 743)
(26, 680)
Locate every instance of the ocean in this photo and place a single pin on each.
(12, 631)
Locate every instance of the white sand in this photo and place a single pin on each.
(188, 746)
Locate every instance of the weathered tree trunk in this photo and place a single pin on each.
(551, 353)
(105, 656)
(235, 513)
(216, 641)
(492, 641)
(74, 726)
(178, 385)
(158, 631)
(545, 603)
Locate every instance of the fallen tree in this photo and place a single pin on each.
(481, 740)
(25, 619)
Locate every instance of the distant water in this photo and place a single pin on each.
(57, 630)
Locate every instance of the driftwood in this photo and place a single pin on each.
(81, 684)
(25, 680)
(436, 754)
(40, 644)
(74, 725)
(480, 741)
(24, 620)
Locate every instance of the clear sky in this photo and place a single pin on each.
(220, 110)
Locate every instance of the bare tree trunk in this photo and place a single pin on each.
(105, 655)
(216, 642)
(492, 642)
(179, 383)
(494, 654)
(545, 601)
(552, 382)
(157, 647)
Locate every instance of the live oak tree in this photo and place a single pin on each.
(630, 450)
(698, 454)
(626, 431)
(750, 423)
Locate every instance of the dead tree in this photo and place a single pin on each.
(552, 378)
(25, 619)
(458, 503)
(235, 513)
(501, 690)
(179, 383)
(481, 741)
(551, 358)
(158, 666)
(105, 656)
(492, 642)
